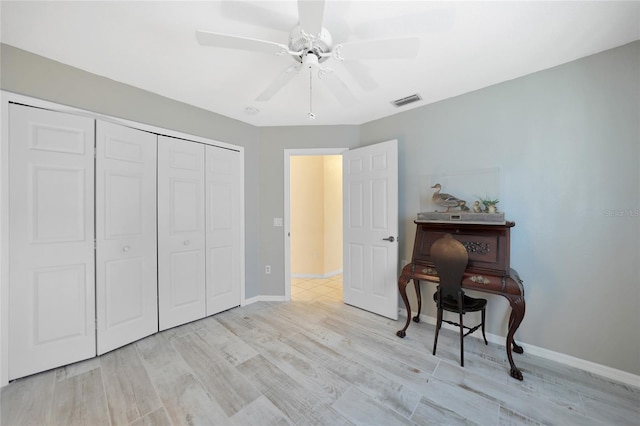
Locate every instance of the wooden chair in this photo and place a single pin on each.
(450, 258)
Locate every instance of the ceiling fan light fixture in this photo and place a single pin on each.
(310, 61)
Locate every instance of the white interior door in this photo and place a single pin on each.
(223, 228)
(370, 204)
(181, 232)
(126, 254)
(51, 272)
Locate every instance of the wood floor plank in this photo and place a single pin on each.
(393, 394)
(561, 380)
(261, 412)
(298, 403)
(469, 405)
(384, 351)
(27, 401)
(77, 368)
(155, 418)
(298, 367)
(234, 349)
(511, 418)
(429, 413)
(185, 400)
(80, 400)
(517, 401)
(220, 379)
(360, 409)
(130, 393)
(389, 356)
(606, 412)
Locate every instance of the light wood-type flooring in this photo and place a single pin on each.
(313, 362)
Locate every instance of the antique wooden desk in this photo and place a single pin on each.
(488, 270)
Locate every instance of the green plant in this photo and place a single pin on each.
(486, 201)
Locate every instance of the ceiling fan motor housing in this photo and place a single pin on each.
(310, 45)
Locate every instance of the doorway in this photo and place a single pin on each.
(313, 224)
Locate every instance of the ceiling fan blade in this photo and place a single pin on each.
(361, 75)
(337, 87)
(311, 13)
(206, 38)
(285, 77)
(393, 48)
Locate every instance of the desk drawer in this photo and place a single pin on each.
(487, 245)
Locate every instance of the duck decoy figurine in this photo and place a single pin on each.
(445, 200)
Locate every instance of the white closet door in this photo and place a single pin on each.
(126, 255)
(223, 229)
(181, 233)
(51, 272)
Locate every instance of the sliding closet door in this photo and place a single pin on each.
(126, 254)
(181, 233)
(223, 229)
(51, 265)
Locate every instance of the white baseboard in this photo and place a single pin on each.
(318, 276)
(591, 367)
(264, 299)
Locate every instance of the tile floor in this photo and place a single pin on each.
(317, 289)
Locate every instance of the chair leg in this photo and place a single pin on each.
(438, 323)
(461, 340)
(483, 335)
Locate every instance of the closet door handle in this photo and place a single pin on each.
(390, 239)
(126, 248)
(186, 242)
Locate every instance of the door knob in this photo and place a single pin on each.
(390, 239)
(186, 242)
(126, 248)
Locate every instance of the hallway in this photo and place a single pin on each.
(317, 289)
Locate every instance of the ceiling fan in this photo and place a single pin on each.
(310, 45)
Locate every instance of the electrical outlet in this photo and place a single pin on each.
(267, 269)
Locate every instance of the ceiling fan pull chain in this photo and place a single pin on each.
(311, 115)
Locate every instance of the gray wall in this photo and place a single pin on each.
(566, 144)
(273, 142)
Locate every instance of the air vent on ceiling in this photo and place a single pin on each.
(406, 100)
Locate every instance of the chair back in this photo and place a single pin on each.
(450, 258)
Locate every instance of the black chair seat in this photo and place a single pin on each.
(469, 304)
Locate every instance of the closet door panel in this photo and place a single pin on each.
(51, 272)
(181, 231)
(223, 229)
(126, 254)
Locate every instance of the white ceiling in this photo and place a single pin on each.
(464, 46)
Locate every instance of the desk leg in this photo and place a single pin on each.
(416, 284)
(517, 314)
(404, 279)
